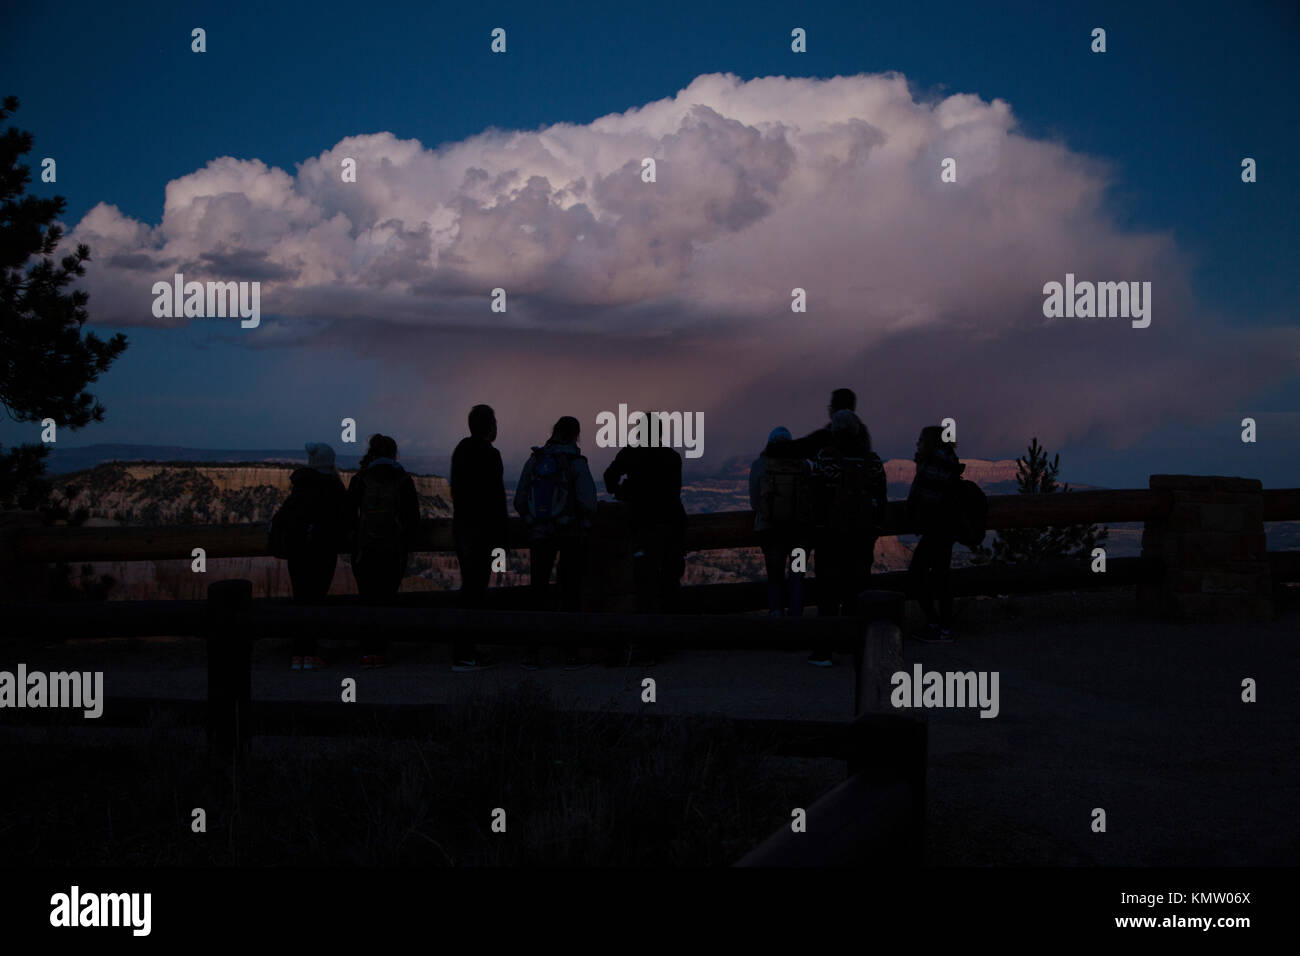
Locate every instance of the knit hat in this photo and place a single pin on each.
(321, 457)
(845, 420)
(779, 433)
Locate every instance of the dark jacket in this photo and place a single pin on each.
(478, 494)
(852, 442)
(809, 445)
(325, 504)
(649, 481)
(408, 502)
(582, 492)
(782, 448)
(929, 501)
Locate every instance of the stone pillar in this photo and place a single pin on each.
(1208, 553)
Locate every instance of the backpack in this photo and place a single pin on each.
(292, 531)
(551, 497)
(970, 513)
(842, 497)
(785, 493)
(379, 527)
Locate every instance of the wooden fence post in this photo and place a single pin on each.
(20, 580)
(608, 582)
(230, 669)
(879, 653)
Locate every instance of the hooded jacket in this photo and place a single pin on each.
(848, 435)
(783, 448)
(408, 502)
(929, 499)
(324, 503)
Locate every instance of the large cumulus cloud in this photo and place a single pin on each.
(924, 295)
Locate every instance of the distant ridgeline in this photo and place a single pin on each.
(152, 494)
(182, 492)
(162, 493)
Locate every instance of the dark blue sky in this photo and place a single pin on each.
(1184, 91)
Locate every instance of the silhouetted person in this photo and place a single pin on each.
(556, 497)
(388, 516)
(809, 445)
(930, 507)
(649, 481)
(850, 497)
(310, 529)
(780, 492)
(479, 520)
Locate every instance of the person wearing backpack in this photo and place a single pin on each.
(849, 495)
(931, 510)
(309, 530)
(387, 513)
(780, 492)
(479, 520)
(556, 497)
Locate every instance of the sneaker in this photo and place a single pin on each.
(818, 659)
(478, 663)
(295, 664)
(312, 663)
(933, 634)
(573, 662)
(373, 661)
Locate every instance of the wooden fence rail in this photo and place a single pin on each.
(847, 740)
(172, 617)
(879, 811)
(342, 619)
(1203, 507)
(711, 531)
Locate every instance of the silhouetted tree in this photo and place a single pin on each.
(1036, 475)
(45, 361)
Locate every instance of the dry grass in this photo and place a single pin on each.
(579, 789)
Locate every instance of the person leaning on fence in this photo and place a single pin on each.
(309, 530)
(479, 521)
(931, 509)
(647, 478)
(387, 513)
(556, 497)
(781, 495)
(849, 494)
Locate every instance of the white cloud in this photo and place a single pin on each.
(829, 185)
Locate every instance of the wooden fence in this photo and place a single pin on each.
(704, 532)
(1205, 530)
